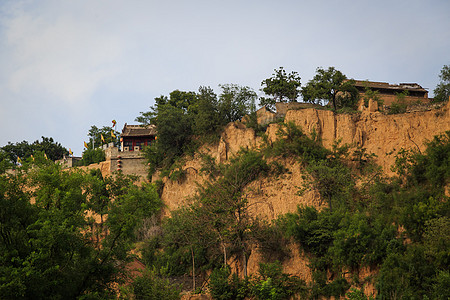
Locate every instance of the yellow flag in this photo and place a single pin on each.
(103, 139)
(70, 152)
(112, 134)
(45, 155)
(19, 160)
(85, 145)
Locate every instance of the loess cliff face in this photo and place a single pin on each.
(383, 135)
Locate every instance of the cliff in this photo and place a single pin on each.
(383, 135)
(380, 134)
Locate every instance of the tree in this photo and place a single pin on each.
(224, 208)
(24, 150)
(281, 87)
(95, 135)
(235, 102)
(206, 114)
(442, 90)
(5, 161)
(179, 99)
(49, 247)
(331, 86)
(92, 156)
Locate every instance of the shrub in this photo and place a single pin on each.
(149, 286)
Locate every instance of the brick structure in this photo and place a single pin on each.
(128, 162)
(388, 92)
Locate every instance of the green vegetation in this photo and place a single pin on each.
(187, 119)
(150, 286)
(365, 225)
(400, 105)
(442, 90)
(50, 244)
(374, 96)
(100, 136)
(331, 86)
(281, 87)
(91, 156)
(23, 150)
(271, 283)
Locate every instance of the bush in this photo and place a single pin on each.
(220, 285)
(149, 286)
(92, 156)
(273, 284)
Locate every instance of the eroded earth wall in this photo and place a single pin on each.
(383, 135)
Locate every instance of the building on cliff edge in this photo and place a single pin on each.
(128, 158)
(388, 92)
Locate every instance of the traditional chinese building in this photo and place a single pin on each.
(136, 137)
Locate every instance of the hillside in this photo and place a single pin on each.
(270, 197)
(317, 205)
(382, 135)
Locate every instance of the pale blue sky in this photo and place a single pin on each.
(67, 65)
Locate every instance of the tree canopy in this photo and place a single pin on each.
(442, 90)
(331, 85)
(23, 150)
(54, 247)
(99, 136)
(185, 117)
(281, 87)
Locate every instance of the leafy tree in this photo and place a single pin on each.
(223, 207)
(5, 161)
(399, 106)
(221, 287)
(270, 283)
(95, 136)
(185, 118)
(281, 87)
(206, 116)
(23, 150)
(331, 86)
(442, 90)
(235, 102)
(179, 99)
(185, 233)
(92, 156)
(174, 130)
(217, 221)
(49, 247)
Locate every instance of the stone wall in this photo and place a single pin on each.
(129, 162)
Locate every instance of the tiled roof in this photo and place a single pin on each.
(139, 130)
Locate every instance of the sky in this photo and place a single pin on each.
(67, 65)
